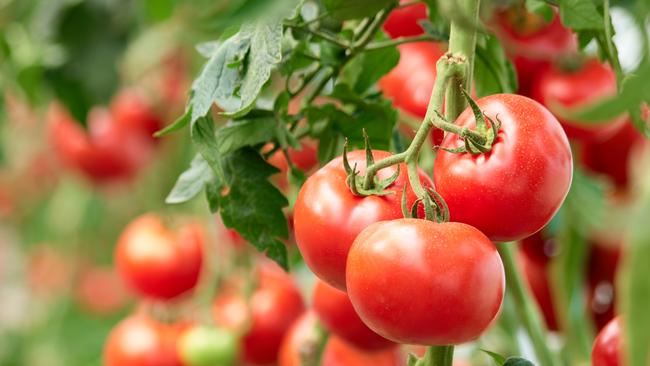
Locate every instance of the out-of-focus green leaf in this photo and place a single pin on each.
(366, 69)
(345, 9)
(580, 14)
(493, 72)
(191, 182)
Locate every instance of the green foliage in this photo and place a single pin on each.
(344, 9)
(493, 71)
(581, 15)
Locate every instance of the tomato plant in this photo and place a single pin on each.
(158, 262)
(514, 190)
(449, 276)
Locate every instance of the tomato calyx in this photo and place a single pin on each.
(358, 183)
(435, 207)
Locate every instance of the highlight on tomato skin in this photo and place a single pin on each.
(607, 348)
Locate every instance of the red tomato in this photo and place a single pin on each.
(532, 43)
(302, 339)
(272, 308)
(415, 72)
(304, 159)
(141, 341)
(419, 282)
(100, 291)
(537, 277)
(611, 157)
(587, 85)
(327, 216)
(336, 312)
(106, 153)
(403, 22)
(514, 190)
(131, 111)
(607, 346)
(157, 262)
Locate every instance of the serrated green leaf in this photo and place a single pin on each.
(246, 132)
(191, 182)
(580, 14)
(517, 361)
(346, 9)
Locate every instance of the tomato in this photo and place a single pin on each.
(587, 85)
(607, 348)
(207, 346)
(304, 159)
(336, 312)
(419, 282)
(537, 277)
(403, 22)
(302, 339)
(514, 190)
(415, 72)
(603, 264)
(141, 341)
(532, 43)
(157, 262)
(272, 308)
(131, 111)
(100, 291)
(327, 216)
(105, 153)
(611, 157)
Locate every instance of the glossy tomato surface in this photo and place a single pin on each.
(418, 282)
(157, 262)
(590, 83)
(337, 314)
(514, 190)
(273, 306)
(403, 22)
(607, 346)
(327, 216)
(415, 72)
(141, 341)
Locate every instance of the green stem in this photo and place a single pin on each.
(527, 310)
(322, 35)
(369, 33)
(437, 356)
(462, 43)
(610, 46)
(401, 40)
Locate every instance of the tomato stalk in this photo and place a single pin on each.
(437, 356)
(526, 308)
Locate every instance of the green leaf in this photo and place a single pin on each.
(493, 71)
(540, 8)
(499, 359)
(246, 132)
(346, 9)
(191, 182)
(366, 69)
(580, 14)
(517, 361)
(180, 122)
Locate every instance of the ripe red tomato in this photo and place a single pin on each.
(141, 341)
(514, 190)
(536, 273)
(327, 216)
(131, 110)
(611, 157)
(403, 22)
(157, 262)
(336, 312)
(302, 339)
(415, 72)
(272, 308)
(107, 152)
(100, 291)
(532, 43)
(419, 282)
(607, 346)
(591, 82)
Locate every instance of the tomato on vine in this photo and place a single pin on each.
(403, 22)
(514, 190)
(419, 282)
(328, 216)
(157, 262)
(337, 314)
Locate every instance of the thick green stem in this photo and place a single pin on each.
(462, 43)
(527, 310)
(437, 356)
(399, 41)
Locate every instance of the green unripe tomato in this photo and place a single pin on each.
(207, 346)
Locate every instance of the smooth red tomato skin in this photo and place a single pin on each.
(611, 157)
(594, 81)
(418, 282)
(141, 341)
(514, 190)
(274, 305)
(159, 263)
(336, 312)
(606, 350)
(403, 22)
(327, 216)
